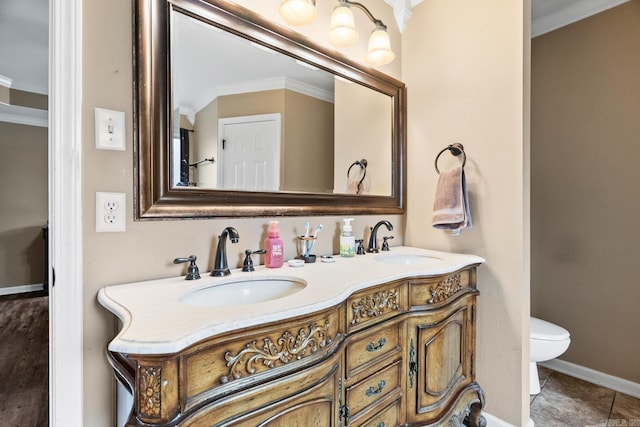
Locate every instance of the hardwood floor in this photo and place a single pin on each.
(24, 359)
(570, 402)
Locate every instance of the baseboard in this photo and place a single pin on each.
(493, 421)
(593, 376)
(11, 290)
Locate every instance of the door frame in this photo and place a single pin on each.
(275, 117)
(65, 214)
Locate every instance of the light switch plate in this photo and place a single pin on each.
(110, 133)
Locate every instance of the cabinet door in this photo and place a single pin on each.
(440, 356)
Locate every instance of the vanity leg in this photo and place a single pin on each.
(475, 418)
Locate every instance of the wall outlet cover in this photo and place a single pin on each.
(111, 212)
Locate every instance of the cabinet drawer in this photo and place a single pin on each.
(379, 345)
(370, 390)
(241, 359)
(306, 398)
(388, 417)
(437, 291)
(368, 307)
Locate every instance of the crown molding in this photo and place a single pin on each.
(570, 14)
(23, 115)
(402, 11)
(263, 85)
(5, 81)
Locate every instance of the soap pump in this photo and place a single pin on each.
(347, 239)
(274, 257)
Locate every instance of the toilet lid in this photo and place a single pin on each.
(543, 330)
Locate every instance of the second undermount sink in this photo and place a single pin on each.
(407, 259)
(243, 292)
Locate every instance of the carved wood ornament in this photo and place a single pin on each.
(149, 382)
(286, 349)
(374, 305)
(445, 289)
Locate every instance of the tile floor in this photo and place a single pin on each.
(570, 402)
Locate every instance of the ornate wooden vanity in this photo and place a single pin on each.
(397, 353)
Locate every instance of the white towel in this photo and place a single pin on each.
(451, 202)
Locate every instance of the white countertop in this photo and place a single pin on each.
(156, 322)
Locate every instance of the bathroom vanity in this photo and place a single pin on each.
(378, 340)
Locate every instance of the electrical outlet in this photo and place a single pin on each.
(111, 211)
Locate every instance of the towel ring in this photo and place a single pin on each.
(363, 167)
(456, 149)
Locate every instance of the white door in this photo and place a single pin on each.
(249, 153)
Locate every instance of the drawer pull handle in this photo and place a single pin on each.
(371, 347)
(373, 391)
(381, 424)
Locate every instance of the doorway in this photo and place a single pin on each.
(249, 153)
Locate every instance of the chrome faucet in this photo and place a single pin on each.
(373, 242)
(220, 267)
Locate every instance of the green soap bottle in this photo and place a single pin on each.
(347, 239)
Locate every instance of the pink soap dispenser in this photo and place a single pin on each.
(274, 256)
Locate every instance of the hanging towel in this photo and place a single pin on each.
(451, 202)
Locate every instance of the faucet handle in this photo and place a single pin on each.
(360, 249)
(247, 265)
(385, 243)
(193, 273)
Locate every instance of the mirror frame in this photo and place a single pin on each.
(154, 198)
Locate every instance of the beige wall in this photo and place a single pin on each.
(248, 104)
(363, 129)
(206, 145)
(5, 94)
(146, 249)
(585, 192)
(464, 63)
(29, 99)
(307, 144)
(23, 203)
(464, 68)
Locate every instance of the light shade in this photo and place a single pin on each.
(297, 12)
(342, 28)
(379, 51)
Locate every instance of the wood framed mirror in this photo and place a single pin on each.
(159, 192)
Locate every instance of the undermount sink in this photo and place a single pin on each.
(408, 259)
(243, 292)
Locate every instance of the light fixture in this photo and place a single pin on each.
(379, 51)
(298, 12)
(342, 28)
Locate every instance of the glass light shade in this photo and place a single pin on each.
(379, 51)
(342, 28)
(297, 12)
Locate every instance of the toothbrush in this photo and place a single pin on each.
(304, 238)
(315, 236)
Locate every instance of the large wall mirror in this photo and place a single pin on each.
(238, 116)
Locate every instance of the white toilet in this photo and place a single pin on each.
(546, 341)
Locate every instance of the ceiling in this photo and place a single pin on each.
(24, 34)
(24, 44)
